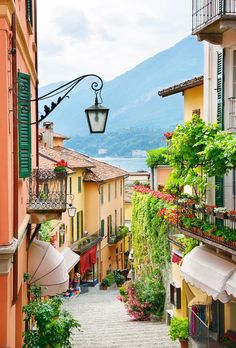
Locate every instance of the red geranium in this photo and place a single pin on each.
(61, 163)
(168, 135)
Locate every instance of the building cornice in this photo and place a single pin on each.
(7, 8)
(7, 251)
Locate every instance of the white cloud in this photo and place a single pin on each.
(105, 37)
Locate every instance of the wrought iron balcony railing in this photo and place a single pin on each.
(232, 113)
(47, 191)
(86, 242)
(217, 229)
(205, 12)
(115, 236)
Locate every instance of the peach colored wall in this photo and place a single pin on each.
(25, 63)
(162, 174)
(193, 100)
(111, 260)
(128, 211)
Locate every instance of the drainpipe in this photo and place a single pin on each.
(15, 157)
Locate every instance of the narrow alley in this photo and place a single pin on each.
(105, 324)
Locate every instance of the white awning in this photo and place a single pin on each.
(47, 268)
(230, 286)
(70, 258)
(207, 271)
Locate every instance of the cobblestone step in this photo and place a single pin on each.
(105, 324)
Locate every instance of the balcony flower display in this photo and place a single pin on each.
(232, 215)
(60, 166)
(221, 212)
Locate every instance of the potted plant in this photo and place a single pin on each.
(61, 167)
(119, 278)
(179, 329)
(221, 212)
(104, 283)
(232, 215)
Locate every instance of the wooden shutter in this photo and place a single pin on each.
(219, 181)
(29, 12)
(220, 88)
(102, 228)
(82, 223)
(79, 183)
(24, 129)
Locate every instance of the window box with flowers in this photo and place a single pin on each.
(232, 215)
(221, 213)
(61, 167)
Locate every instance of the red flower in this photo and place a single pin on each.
(168, 135)
(61, 163)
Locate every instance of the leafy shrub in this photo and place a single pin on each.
(179, 328)
(119, 278)
(52, 327)
(157, 157)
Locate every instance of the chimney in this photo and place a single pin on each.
(47, 134)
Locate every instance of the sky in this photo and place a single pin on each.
(105, 37)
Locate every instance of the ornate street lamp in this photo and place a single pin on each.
(96, 114)
(71, 210)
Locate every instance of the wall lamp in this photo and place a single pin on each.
(71, 210)
(96, 114)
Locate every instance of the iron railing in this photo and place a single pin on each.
(232, 113)
(198, 330)
(206, 11)
(47, 191)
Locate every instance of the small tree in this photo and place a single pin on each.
(47, 325)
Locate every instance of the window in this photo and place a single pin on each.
(29, 12)
(121, 216)
(102, 228)
(109, 225)
(72, 229)
(101, 193)
(79, 183)
(70, 186)
(115, 189)
(121, 186)
(61, 235)
(175, 296)
(24, 117)
(109, 192)
(115, 221)
(234, 73)
(80, 224)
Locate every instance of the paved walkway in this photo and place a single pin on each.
(105, 324)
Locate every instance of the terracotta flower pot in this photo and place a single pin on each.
(183, 343)
(103, 287)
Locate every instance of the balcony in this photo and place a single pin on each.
(210, 18)
(115, 236)
(217, 229)
(47, 195)
(232, 113)
(86, 243)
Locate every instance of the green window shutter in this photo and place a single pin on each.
(79, 183)
(29, 11)
(102, 228)
(24, 129)
(70, 186)
(220, 88)
(219, 182)
(82, 223)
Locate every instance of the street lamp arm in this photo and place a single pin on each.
(96, 87)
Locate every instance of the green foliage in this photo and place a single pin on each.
(197, 151)
(188, 243)
(179, 328)
(157, 157)
(105, 282)
(150, 289)
(119, 278)
(123, 293)
(45, 233)
(122, 231)
(52, 326)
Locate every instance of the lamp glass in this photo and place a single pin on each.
(97, 118)
(71, 210)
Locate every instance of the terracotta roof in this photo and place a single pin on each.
(55, 135)
(96, 171)
(47, 163)
(57, 153)
(196, 81)
(103, 171)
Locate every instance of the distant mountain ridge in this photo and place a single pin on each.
(133, 96)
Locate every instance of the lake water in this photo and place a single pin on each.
(126, 163)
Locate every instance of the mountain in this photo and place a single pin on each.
(133, 99)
